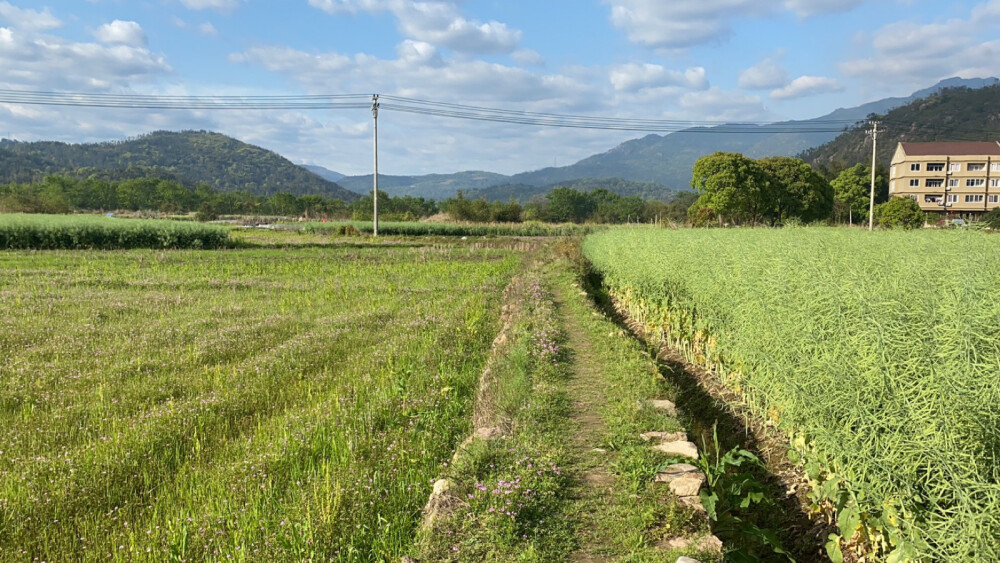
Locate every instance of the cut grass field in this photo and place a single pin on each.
(253, 404)
(876, 352)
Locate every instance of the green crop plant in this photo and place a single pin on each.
(52, 232)
(878, 352)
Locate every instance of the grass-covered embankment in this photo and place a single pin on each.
(876, 352)
(559, 471)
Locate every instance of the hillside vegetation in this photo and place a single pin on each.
(191, 157)
(954, 114)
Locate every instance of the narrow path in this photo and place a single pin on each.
(594, 489)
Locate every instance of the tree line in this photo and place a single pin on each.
(737, 190)
(64, 194)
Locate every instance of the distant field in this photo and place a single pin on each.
(267, 404)
(878, 353)
(53, 232)
(424, 228)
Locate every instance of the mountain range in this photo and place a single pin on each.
(652, 167)
(189, 157)
(665, 160)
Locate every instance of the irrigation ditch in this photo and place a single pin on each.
(720, 424)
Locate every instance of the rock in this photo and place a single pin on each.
(440, 503)
(489, 433)
(441, 486)
(599, 450)
(663, 436)
(687, 486)
(692, 502)
(664, 405)
(687, 560)
(407, 559)
(710, 543)
(680, 447)
(675, 471)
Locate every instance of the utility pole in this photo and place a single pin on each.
(375, 176)
(871, 199)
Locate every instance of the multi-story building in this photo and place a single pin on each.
(960, 180)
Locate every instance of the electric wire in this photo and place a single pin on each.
(411, 106)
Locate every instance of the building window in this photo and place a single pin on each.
(914, 183)
(995, 167)
(976, 167)
(935, 167)
(993, 199)
(975, 182)
(953, 183)
(955, 167)
(995, 182)
(974, 198)
(952, 198)
(932, 198)
(934, 183)
(915, 167)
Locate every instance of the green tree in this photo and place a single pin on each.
(899, 213)
(567, 205)
(851, 193)
(798, 191)
(734, 187)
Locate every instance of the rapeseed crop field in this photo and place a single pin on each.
(877, 353)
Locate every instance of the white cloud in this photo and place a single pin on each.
(32, 20)
(911, 55)
(807, 86)
(716, 104)
(527, 57)
(765, 75)
(633, 76)
(121, 32)
(217, 5)
(335, 7)
(679, 24)
(806, 8)
(208, 29)
(48, 63)
(438, 22)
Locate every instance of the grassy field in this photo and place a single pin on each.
(252, 404)
(430, 228)
(877, 353)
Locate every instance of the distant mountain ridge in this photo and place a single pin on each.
(666, 160)
(190, 157)
(953, 114)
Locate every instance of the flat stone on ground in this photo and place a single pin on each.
(687, 486)
(680, 447)
(664, 405)
(675, 471)
(663, 436)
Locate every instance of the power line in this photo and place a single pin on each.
(411, 106)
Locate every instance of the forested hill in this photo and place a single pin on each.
(955, 114)
(523, 193)
(190, 157)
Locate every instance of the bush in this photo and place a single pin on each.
(899, 213)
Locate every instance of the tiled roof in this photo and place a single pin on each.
(951, 149)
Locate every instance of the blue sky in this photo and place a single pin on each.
(710, 60)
